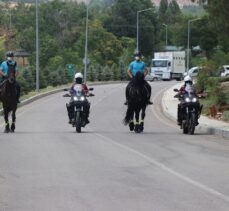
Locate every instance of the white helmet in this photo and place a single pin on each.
(78, 75)
(187, 79)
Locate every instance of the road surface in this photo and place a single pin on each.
(46, 166)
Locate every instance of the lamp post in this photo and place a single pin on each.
(137, 48)
(188, 42)
(37, 49)
(86, 42)
(166, 33)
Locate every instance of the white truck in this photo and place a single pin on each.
(224, 70)
(168, 65)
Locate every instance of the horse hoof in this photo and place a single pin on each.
(137, 129)
(141, 127)
(12, 128)
(131, 126)
(7, 128)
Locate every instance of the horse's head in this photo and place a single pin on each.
(11, 72)
(139, 78)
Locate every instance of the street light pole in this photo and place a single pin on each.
(137, 36)
(86, 41)
(37, 49)
(188, 42)
(166, 34)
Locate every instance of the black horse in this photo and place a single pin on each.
(8, 97)
(137, 102)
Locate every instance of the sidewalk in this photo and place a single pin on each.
(207, 125)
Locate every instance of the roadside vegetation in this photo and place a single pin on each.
(112, 39)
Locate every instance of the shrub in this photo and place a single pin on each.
(225, 116)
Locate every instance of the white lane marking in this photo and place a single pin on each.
(169, 170)
(105, 96)
(155, 112)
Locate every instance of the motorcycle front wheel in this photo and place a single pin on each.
(78, 122)
(192, 124)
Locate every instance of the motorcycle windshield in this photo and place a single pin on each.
(189, 89)
(78, 90)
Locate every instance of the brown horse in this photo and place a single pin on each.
(8, 97)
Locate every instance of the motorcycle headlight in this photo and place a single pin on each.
(82, 98)
(187, 100)
(194, 100)
(75, 98)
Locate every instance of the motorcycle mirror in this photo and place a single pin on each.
(176, 90)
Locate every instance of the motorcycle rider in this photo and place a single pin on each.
(70, 107)
(10, 65)
(180, 111)
(134, 67)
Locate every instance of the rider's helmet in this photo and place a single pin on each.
(188, 79)
(137, 55)
(79, 78)
(9, 55)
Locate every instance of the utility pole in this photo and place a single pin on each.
(188, 42)
(37, 49)
(137, 36)
(86, 42)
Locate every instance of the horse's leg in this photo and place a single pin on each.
(142, 118)
(136, 128)
(131, 122)
(6, 113)
(13, 119)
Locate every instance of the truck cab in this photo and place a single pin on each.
(168, 65)
(161, 68)
(224, 71)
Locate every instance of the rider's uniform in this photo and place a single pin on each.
(134, 67)
(4, 67)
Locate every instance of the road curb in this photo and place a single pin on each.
(224, 133)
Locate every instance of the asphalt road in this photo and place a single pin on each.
(46, 166)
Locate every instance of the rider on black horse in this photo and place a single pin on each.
(134, 67)
(9, 66)
(78, 80)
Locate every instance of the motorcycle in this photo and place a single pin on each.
(191, 110)
(78, 100)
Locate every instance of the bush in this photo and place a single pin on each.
(225, 116)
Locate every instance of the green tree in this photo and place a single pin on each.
(162, 10)
(122, 22)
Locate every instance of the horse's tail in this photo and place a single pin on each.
(129, 115)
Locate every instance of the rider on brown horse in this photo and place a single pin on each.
(9, 67)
